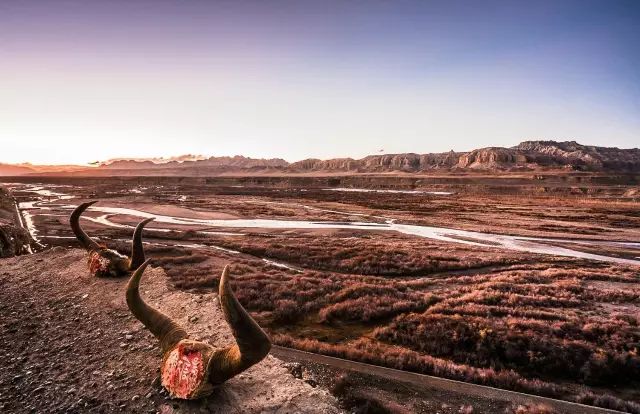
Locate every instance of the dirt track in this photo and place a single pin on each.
(69, 344)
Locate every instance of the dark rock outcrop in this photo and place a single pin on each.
(14, 240)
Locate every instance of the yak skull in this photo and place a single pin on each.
(192, 369)
(104, 262)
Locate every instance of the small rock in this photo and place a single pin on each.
(295, 368)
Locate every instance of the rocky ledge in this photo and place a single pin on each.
(70, 344)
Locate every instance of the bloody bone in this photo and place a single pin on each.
(183, 371)
(104, 262)
(191, 369)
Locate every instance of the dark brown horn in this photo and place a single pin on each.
(252, 343)
(161, 326)
(74, 220)
(137, 251)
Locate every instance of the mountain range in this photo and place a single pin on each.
(526, 156)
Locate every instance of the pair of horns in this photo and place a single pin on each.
(137, 251)
(252, 343)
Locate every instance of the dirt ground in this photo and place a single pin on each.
(70, 345)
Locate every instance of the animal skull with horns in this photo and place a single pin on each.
(192, 369)
(104, 262)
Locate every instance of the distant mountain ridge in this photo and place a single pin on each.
(571, 153)
(526, 156)
(237, 161)
(155, 160)
(10, 169)
(26, 168)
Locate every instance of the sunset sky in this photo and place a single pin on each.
(90, 80)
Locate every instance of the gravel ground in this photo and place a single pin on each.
(70, 345)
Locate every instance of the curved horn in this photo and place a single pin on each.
(161, 326)
(137, 251)
(74, 220)
(252, 343)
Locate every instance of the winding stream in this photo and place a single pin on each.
(508, 242)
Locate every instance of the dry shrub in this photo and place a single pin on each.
(608, 401)
(533, 409)
(481, 342)
(367, 303)
(375, 353)
(390, 256)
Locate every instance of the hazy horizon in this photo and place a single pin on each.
(82, 81)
